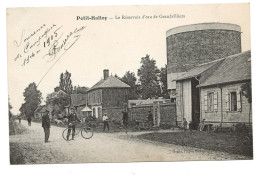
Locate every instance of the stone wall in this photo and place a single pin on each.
(114, 97)
(168, 114)
(184, 50)
(163, 113)
(113, 113)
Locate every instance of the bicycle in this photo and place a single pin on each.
(123, 127)
(86, 132)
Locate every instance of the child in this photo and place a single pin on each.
(105, 121)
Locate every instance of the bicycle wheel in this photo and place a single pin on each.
(65, 133)
(87, 132)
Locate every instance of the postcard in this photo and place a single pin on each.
(150, 83)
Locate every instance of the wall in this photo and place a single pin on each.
(95, 97)
(183, 101)
(163, 113)
(186, 49)
(115, 97)
(229, 117)
(140, 112)
(168, 114)
(114, 113)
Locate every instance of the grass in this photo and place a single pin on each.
(222, 141)
(16, 156)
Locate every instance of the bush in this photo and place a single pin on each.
(242, 128)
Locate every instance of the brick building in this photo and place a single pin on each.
(212, 91)
(109, 95)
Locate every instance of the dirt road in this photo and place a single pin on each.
(102, 147)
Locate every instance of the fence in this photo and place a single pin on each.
(163, 113)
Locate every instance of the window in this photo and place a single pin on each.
(210, 101)
(233, 101)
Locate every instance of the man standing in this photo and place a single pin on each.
(150, 119)
(72, 121)
(105, 121)
(125, 118)
(29, 119)
(46, 123)
(19, 119)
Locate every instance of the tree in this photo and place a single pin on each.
(65, 83)
(61, 102)
(246, 90)
(148, 77)
(80, 90)
(163, 81)
(130, 79)
(10, 107)
(116, 76)
(32, 98)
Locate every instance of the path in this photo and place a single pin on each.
(102, 147)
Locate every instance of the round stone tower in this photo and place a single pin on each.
(195, 44)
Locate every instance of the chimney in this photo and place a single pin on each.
(106, 73)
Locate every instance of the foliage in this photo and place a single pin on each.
(32, 98)
(241, 128)
(247, 91)
(10, 107)
(163, 81)
(130, 79)
(80, 90)
(116, 76)
(149, 78)
(61, 102)
(66, 83)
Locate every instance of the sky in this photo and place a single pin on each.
(114, 44)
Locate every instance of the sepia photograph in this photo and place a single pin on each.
(119, 84)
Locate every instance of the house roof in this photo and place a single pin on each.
(86, 109)
(78, 99)
(233, 69)
(110, 82)
(197, 70)
(41, 109)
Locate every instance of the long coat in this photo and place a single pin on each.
(46, 122)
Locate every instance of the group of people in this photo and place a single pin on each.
(73, 120)
(125, 120)
(106, 120)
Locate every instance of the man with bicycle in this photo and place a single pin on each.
(72, 121)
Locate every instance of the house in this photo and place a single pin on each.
(108, 95)
(212, 91)
(79, 102)
(50, 97)
(39, 112)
